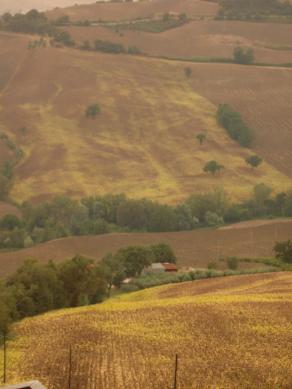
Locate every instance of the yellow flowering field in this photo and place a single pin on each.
(231, 332)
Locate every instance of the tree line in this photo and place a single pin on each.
(36, 288)
(63, 217)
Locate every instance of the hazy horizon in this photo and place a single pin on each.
(14, 6)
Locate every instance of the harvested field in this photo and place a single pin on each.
(271, 42)
(262, 96)
(193, 248)
(137, 10)
(232, 332)
(140, 98)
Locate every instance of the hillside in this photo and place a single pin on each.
(137, 10)
(232, 332)
(271, 42)
(193, 248)
(140, 98)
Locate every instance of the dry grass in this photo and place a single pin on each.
(230, 332)
(136, 10)
(140, 99)
(194, 248)
(271, 42)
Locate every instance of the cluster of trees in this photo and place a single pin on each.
(37, 288)
(64, 217)
(7, 167)
(109, 47)
(234, 125)
(243, 56)
(253, 10)
(167, 22)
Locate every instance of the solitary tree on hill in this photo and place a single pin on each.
(201, 138)
(92, 111)
(188, 72)
(213, 167)
(254, 161)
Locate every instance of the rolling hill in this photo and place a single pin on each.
(112, 11)
(232, 332)
(48, 90)
(271, 42)
(193, 248)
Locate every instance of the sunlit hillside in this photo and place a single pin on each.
(231, 332)
(142, 143)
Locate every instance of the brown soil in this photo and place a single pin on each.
(195, 248)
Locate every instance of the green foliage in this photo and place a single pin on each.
(213, 220)
(5, 185)
(135, 259)
(63, 38)
(155, 25)
(33, 22)
(113, 271)
(254, 161)
(9, 222)
(7, 169)
(163, 253)
(213, 167)
(109, 47)
(242, 56)
(283, 251)
(234, 125)
(253, 10)
(201, 138)
(92, 111)
(212, 265)
(232, 263)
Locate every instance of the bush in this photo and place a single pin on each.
(283, 251)
(213, 220)
(109, 47)
(232, 263)
(92, 111)
(234, 125)
(243, 57)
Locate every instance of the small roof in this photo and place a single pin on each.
(169, 266)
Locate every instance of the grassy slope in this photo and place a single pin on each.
(141, 99)
(136, 10)
(229, 332)
(194, 248)
(272, 43)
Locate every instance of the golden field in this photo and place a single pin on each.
(48, 90)
(232, 332)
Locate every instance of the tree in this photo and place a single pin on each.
(92, 111)
(113, 270)
(9, 222)
(261, 194)
(254, 161)
(163, 253)
(243, 57)
(234, 125)
(188, 72)
(213, 167)
(201, 138)
(135, 259)
(82, 282)
(283, 251)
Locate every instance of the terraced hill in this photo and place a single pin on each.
(48, 90)
(228, 332)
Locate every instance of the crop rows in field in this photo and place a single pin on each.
(231, 332)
